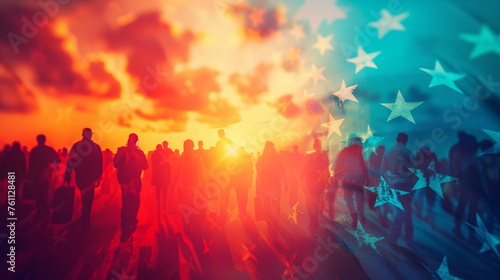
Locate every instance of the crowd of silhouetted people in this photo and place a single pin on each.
(196, 183)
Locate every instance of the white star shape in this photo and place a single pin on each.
(365, 238)
(496, 137)
(440, 77)
(486, 41)
(333, 126)
(386, 194)
(323, 44)
(370, 142)
(345, 93)
(493, 134)
(490, 241)
(363, 60)
(297, 31)
(388, 22)
(443, 271)
(401, 108)
(307, 96)
(316, 74)
(435, 180)
(315, 11)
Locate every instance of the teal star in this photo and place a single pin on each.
(435, 180)
(401, 108)
(363, 60)
(490, 241)
(388, 22)
(496, 137)
(386, 194)
(444, 273)
(365, 238)
(493, 134)
(370, 143)
(486, 41)
(440, 77)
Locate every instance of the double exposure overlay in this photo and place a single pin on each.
(249, 139)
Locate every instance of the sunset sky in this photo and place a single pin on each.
(263, 70)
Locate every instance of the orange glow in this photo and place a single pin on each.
(156, 99)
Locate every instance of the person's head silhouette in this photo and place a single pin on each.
(222, 133)
(132, 140)
(188, 146)
(158, 147)
(240, 150)
(16, 146)
(353, 140)
(200, 144)
(165, 145)
(380, 150)
(87, 133)
(402, 138)
(40, 139)
(269, 148)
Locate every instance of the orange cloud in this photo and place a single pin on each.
(251, 87)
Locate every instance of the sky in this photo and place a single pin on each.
(262, 70)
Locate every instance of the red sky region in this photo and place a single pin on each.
(165, 71)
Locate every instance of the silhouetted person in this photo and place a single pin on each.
(226, 155)
(200, 147)
(107, 171)
(15, 161)
(6, 148)
(223, 144)
(40, 160)
(395, 168)
(85, 158)
(294, 159)
(26, 153)
(189, 176)
(271, 172)
(465, 168)
(243, 179)
(161, 175)
(166, 150)
(456, 148)
(489, 169)
(374, 173)
(130, 161)
(374, 164)
(424, 158)
(202, 153)
(351, 171)
(316, 173)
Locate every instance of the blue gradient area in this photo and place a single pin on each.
(432, 33)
